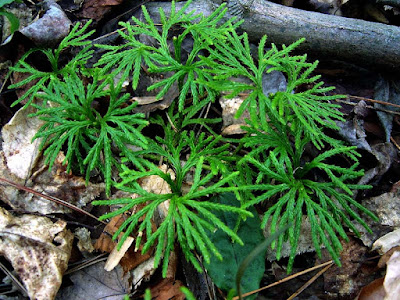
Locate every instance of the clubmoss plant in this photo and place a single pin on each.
(71, 120)
(310, 111)
(189, 72)
(76, 38)
(189, 214)
(280, 129)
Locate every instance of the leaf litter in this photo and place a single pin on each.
(94, 283)
(38, 249)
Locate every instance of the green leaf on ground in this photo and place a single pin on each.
(5, 2)
(223, 273)
(11, 18)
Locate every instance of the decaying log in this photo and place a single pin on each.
(366, 43)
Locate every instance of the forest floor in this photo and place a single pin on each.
(56, 252)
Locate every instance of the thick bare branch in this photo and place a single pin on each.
(367, 43)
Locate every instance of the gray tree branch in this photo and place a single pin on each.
(370, 44)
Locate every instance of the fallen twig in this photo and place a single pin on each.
(51, 198)
(328, 263)
(308, 283)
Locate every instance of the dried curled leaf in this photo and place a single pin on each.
(387, 242)
(129, 258)
(57, 183)
(21, 154)
(392, 278)
(38, 250)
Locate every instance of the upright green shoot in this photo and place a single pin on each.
(72, 122)
(76, 38)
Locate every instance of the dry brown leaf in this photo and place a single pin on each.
(128, 257)
(145, 100)
(97, 9)
(38, 250)
(388, 287)
(346, 281)
(168, 289)
(305, 243)
(233, 130)
(372, 291)
(104, 243)
(146, 81)
(61, 184)
(143, 272)
(172, 265)
(21, 154)
(385, 207)
(272, 82)
(131, 258)
(57, 183)
(385, 257)
(155, 184)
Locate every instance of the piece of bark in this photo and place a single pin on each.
(366, 43)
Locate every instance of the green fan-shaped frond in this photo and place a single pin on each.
(190, 215)
(188, 72)
(71, 120)
(76, 38)
(328, 201)
(311, 110)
